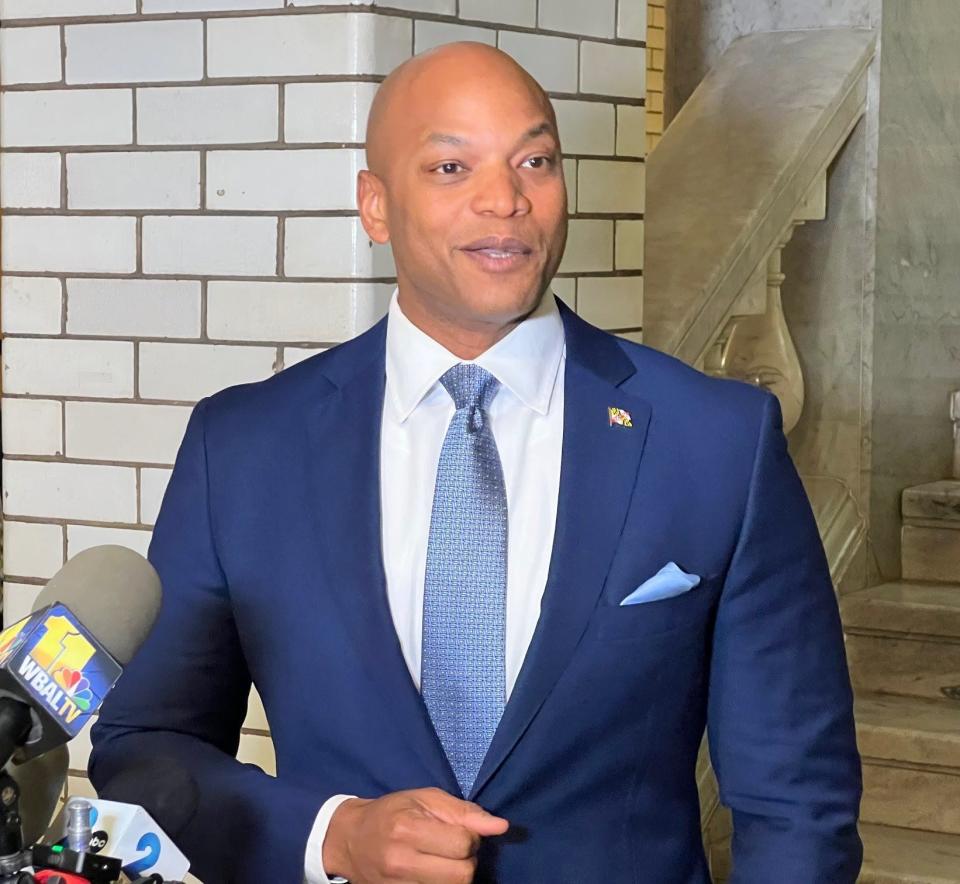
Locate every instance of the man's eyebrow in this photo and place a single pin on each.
(544, 128)
(444, 138)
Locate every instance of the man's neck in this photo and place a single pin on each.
(466, 340)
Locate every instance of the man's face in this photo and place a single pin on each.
(475, 201)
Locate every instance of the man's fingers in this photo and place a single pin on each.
(433, 836)
(461, 813)
(425, 869)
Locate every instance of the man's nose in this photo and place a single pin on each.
(500, 192)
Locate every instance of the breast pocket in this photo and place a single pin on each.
(689, 612)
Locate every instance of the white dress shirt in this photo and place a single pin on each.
(526, 418)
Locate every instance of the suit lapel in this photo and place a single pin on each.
(344, 456)
(598, 473)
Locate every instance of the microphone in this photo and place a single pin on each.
(138, 816)
(41, 782)
(58, 664)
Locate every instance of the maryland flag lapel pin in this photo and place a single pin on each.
(619, 417)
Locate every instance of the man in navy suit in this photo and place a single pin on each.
(491, 569)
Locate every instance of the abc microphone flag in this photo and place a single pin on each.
(50, 661)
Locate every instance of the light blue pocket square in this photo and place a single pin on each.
(669, 581)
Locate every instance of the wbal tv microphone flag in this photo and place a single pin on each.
(53, 664)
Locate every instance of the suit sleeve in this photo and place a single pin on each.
(183, 698)
(780, 719)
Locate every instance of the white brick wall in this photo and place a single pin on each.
(282, 179)
(177, 180)
(30, 180)
(210, 245)
(188, 372)
(128, 52)
(32, 548)
(552, 60)
(61, 367)
(30, 55)
(72, 244)
(10, 9)
(121, 180)
(32, 426)
(596, 18)
(507, 12)
(31, 305)
(93, 492)
(326, 112)
(162, 308)
(60, 117)
(208, 114)
(120, 431)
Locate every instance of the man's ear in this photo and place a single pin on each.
(372, 204)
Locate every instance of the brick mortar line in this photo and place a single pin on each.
(139, 214)
(63, 55)
(292, 11)
(205, 277)
(146, 339)
(281, 239)
(274, 146)
(88, 461)
(274, 80)
(136, 377)
(125, 400)
(81, 523)
(204, 300)
(137, 490)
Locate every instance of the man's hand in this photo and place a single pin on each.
(422, 836)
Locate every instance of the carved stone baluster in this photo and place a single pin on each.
(955, 417)
(759, 349)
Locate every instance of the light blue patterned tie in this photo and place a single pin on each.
(464, 602)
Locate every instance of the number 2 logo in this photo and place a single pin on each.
(151, 844)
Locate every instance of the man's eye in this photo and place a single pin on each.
(540, 162)
(448, 168)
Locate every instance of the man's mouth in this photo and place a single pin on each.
(498, 253)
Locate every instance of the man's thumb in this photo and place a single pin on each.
(476, 819)
(471, 816)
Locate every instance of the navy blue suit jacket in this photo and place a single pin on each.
(268, 545)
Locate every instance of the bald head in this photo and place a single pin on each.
(406, 96)
(464, 179)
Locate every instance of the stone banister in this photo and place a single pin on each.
(740, 167)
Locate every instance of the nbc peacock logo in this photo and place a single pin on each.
(77, 687)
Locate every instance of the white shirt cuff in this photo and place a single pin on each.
(313, 862)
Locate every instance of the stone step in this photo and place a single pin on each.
(911, 796)
(939, 501)
(904, 607)
(909, 730)
(904, 638)
(904, 856)
(930, 551)
(911, 762)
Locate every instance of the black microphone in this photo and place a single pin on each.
(58, 664)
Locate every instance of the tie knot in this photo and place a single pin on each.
(470, 386)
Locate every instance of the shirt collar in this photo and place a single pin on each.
(526, 361)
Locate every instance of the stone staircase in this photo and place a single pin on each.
(903, 642)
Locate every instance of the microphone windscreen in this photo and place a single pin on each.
(113, 591)
(41, 781)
